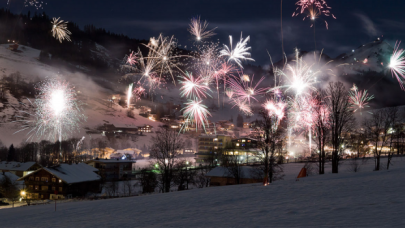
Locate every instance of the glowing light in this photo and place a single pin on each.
(359, 99)
(313, 9)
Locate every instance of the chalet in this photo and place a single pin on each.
(246, 125)
(165, 118)
(61, 181)
(19, 168)
(112, 169)
(144, 110)
(221, 176)
(145, 128)
(125, 128)
(188, 151)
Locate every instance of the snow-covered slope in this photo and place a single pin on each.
(363, 199)
(98, 112)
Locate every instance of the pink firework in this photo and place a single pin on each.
(314, 9)
(243, 107)
(397, 64)
(359, 99)
(196, 113)
(131, 60)
(229, 93)
(275, 108)
(138, 92)
(193, 87)
(244, 90)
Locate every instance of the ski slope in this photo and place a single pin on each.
(363, 199)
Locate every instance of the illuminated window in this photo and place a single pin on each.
(60, 189)
(36, 178)
(44, 188)
(237, 144)
(243, 140)
(31, 186)
(53, 179)
(31, 178)
(53, 188)
(36, 187)
(44, 179)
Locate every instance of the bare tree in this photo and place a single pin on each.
(378, 128)
(148, 180)
(321, 125)
(341, 118)
(201, 180)
(233, 165)
(166, 145)
(269, 135)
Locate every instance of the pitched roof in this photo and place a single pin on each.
(16, 166)
(109, 161)
(74, 173)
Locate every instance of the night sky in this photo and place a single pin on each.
(358, 21)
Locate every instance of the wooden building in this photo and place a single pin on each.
(112, 169)
(61, 181)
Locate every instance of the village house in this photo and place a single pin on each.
(145, 128)
(61, 181)
(19, 168)
(112, 169)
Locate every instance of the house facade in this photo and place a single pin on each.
(61, 181)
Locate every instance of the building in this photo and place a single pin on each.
(244, 143)
(209, 144)
(246, 125)
(221, 176)
(112, 169)
(61, 181)
(188, 151)
(125, 129)
(19, 168)
(145, 128)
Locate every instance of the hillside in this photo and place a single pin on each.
(93, 92)
(363, 199)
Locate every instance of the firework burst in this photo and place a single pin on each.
(397, 64)
(243, 107)
(193, 87)
(131, 59)
(313, 9)
(196, 113)
(359, 99)
(239, 53)
(275, 108)
(245, 91)
(57, 112)
(59, 30)
(199, 29)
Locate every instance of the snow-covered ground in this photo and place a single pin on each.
(347, 199)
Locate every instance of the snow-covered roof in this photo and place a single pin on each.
(246, 172)
(71, 173)
(16, 166)
(123, 125)
(13, 178)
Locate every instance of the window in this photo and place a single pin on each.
(31, 178)
(44, 188)
(36, 178)
(54, 179)
(44, 179)
(60, 189)
(249, 141)
(53, 188)
(31, 187)
(243, 140)
(42, 196)
(36, 187)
